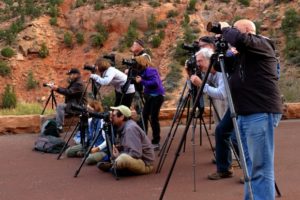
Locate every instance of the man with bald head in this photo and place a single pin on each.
(256, 97)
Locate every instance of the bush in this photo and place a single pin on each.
(131, 34)
(172, 13)
(102, 30)
(97, 40)
(31, 9)
(180, 54)
(53, 21)
(156, 41)
(162, 24)
(290, 23)
(68, 40)
(192, 6)
(245, 2)
(151, 22)
(161, 34)
(80, 38)
(4, 69)
(53, 11)
(7, 52)
(292, 50)
(154, 3)
(9, 98)
(31, 82)
(99, 5)
(43, 52)
(173, 78)
(258, 25)
(79, 3)
(55, 2)
(189, 36)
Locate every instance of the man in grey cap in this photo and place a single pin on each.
(135, 153)
(73, 95)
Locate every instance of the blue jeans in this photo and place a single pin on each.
(257, 135)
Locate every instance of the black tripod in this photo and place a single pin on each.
(184, 102)
(215, 57)
(53, 101)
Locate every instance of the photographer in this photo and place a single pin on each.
(98, 152)
(138, 49)
(135, 153)
(111, 76)
(73, 95)
(256, 96)
(154, 96)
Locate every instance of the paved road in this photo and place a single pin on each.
(29, 175)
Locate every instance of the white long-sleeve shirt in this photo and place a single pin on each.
(114, 77)
(217, 91)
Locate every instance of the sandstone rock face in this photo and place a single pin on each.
(19, 124)
(291, 111)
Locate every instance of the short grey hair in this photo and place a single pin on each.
(205, 52)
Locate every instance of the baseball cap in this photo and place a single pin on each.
(140, 42)
(207, 39)
(123, 109)
(73, 71)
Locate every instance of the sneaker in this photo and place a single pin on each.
(60, 129)
(220, 175)
(156, 147)
(104, 166)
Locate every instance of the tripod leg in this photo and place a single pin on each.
(64, 147)
(234, 153)
(46, 104)
(87, 153)
(194, 152)
(208, 137)
(277, 190)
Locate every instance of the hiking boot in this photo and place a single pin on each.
(156, 147)
(220, 175)
(104, 166)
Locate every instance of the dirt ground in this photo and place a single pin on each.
(26, 174)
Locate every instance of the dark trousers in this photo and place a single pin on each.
(151, 109)
(125, 99)
(223, 133)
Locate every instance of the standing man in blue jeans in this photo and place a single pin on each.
(256, 97)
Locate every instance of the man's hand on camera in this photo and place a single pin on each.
(138, 79)
(54, 87)
(115, 152)
(224, 25)
(95, 149)
(196, 80)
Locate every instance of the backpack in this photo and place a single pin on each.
(49, 127)
(49, 144)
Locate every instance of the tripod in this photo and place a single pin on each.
(53, 101)
(184, 102)
(217, 56)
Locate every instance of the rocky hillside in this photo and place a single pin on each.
(77, 19)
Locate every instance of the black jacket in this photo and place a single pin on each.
(73, 94)
(254, 83)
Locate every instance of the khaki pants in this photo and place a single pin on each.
(137, 166)
(92, 159)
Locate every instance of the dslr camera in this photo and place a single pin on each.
(103, 115)
(90, 68)
(191, 63)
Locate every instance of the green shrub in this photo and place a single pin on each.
(68, 40)
(32, 9)
(102, 30)
(9, 98)
(180, 55)
(156, 41)
(4, 69)
(97, 40)
(55, 2)
(7, 52)
(245, 2)
(161, 34)
(151, 22)
(258, 25)
(290, 23)
(99, 5)
(26, 109)
(186, 19)
(292, 50)
(80, 38)
(131, 34)
(154, 3)
(53, 11)
(108, 100)
(53, 21)
(172, 80)
(43, 52)
(31, 82)
(189, 36)
(172, 13)
(162, 24)
(78, 3)
(192, 6)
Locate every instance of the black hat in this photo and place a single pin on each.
(207, 39)
(73, 71)
(140, 42)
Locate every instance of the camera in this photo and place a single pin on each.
(129, 62)
(92, 69)
(112, 58)
(193, 48)
(103, 115)
(214, 27)
(50, 85)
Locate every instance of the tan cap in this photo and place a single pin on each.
(123, 109)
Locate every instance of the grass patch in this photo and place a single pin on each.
(26, 109)
(290, 87)
(173, 78)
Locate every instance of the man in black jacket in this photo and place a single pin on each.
(73, 95)
(256, 97)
